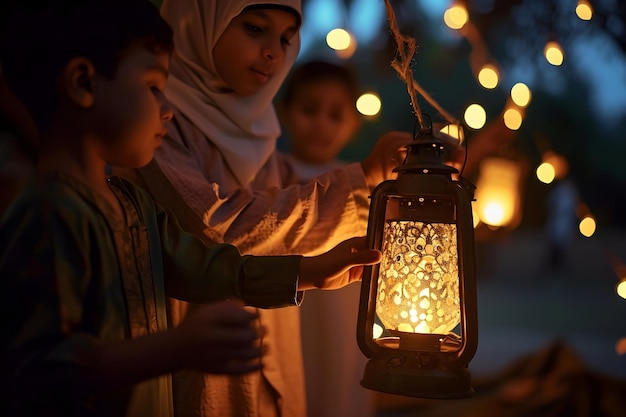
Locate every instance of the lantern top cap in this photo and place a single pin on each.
(428, 150)
(440, 137)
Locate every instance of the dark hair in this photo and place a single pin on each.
(41, 36)
(314, 71)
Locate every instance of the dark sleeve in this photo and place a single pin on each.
(202, 273)
(42, 270)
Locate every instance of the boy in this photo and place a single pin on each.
(86, 261)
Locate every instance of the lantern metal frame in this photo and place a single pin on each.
(423, 368)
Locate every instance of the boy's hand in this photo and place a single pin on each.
(338, 267)
(388, 153)
(221, 338)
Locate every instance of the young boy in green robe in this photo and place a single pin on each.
(86, 260)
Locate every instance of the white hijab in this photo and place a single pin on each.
(245, 129)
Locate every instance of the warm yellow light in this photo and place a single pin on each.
(494, 213)
(338, 39)
(454, 130)
(475, 216)
(558, 162)
(488, 76)
(368, 104)
(456, 17)
(418, 282)
(584, 10)
(520, 94)
(497, 191)
(349, 51)
(621, 288)
(512, 118)
(545, 172)
(377, 330)
(587, 226)
(553, 53)
(475, 116)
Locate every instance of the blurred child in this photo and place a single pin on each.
(219, 171)
(318, 113)
(86, 261)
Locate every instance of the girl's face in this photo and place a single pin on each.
(252, 49)
(320, 119)
(131, 109)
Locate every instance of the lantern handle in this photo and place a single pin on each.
(425, 128)
(463, 193)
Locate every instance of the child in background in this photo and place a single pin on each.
(219, 171)
(318, 111)
(86, 261)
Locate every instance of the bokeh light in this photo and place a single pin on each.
(488, 76)
(545, 172)
(584, 10)
(621, 288)
(520, 94)
(456, 17)
(368, 104)
(338, 39)
(553, 53)
(475, 116)
(349, 51)
(587, 226)
(512, 118)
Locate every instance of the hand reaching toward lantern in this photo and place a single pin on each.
(388, 153)
(338, 267)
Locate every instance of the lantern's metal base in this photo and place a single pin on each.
(401, 372)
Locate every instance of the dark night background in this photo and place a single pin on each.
(577, 110)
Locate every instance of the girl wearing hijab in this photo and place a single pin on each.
(220, 173)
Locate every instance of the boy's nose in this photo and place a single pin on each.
(166, 110)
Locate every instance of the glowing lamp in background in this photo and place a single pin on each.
(418, 316)
(498, 194)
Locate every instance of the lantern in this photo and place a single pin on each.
(418, 316)
(499, 195)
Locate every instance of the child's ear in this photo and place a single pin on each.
(77, 81)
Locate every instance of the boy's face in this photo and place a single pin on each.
(320, 120)
(252, 49)
(130, 110)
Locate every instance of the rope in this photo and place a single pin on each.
(402, 65)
